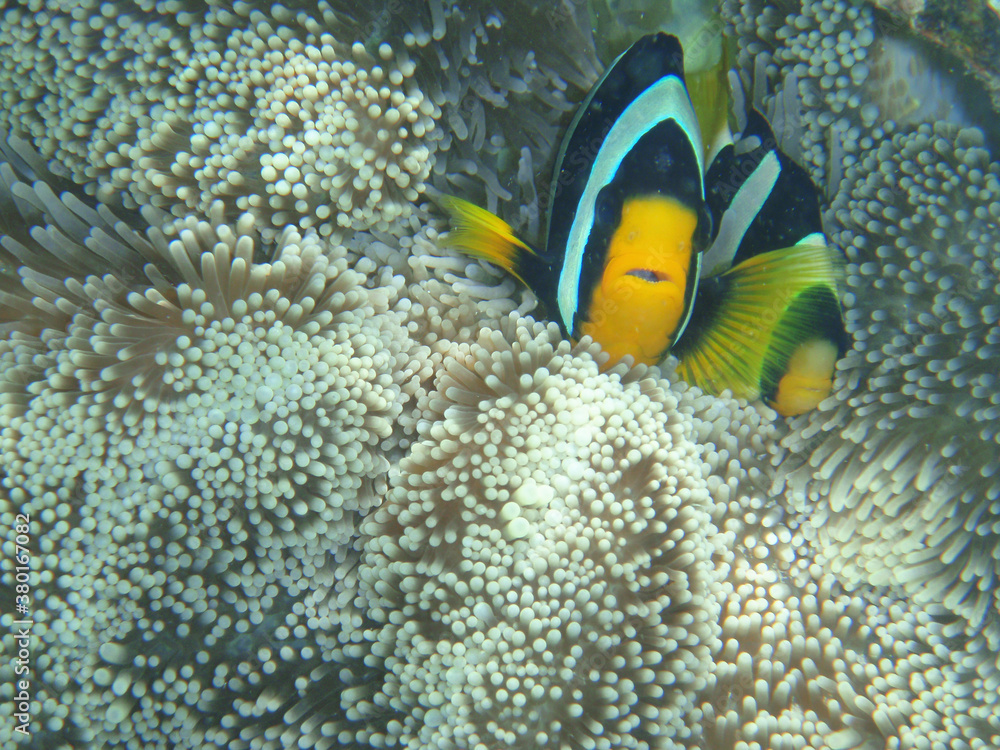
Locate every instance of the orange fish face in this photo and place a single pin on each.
(642, 297)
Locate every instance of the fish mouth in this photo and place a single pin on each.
(647, 274)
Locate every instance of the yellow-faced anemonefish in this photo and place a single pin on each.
(649, 252)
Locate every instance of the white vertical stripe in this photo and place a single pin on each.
(690, 307)
(736, 219)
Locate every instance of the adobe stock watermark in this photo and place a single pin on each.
(21, 628)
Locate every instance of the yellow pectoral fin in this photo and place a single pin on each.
(477, 232)
(774, 329)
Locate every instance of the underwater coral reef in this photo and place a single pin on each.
(300, 476)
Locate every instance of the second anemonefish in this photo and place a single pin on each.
(649, 253)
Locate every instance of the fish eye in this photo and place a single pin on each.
(605, 209)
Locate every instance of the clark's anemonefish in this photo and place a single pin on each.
(649, 250)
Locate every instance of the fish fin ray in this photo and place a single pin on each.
(770, 305)
(484, 236)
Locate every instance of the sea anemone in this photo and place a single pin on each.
(193, 443)
(507, 79)
(808, 64)
(806, 664)
(203, 418)
(900, 486)
(290, 123)
(336, 118)
(271, 112)
(831, 72)
(540, 571)
(268, 384)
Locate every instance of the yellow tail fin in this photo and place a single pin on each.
(477, 232)
(770, 327)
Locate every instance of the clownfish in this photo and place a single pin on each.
(650, 251)
(768, 321)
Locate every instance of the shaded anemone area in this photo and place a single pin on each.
(898, 486)
(300, 476)
(337, 116)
